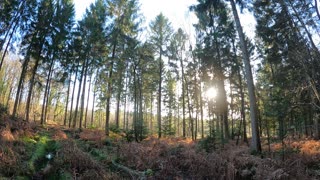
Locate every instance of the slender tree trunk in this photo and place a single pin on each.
(222, 99)
(34, 71)
(78, 95)
(243, 114)
(159, 95)
(110, 90)
(242, 99)
(87, 104)
(118, 104)
(20, 85)
(256, 145)
(140, 110)
(201, 113)
(125, 96)
(92, 114)
(183, 100)
(67, 103)
(316, 7)
(83, 92)
(124, 110)
(73, 91)
(56, 108)
(151, 119)
(135, 109)
(14, 23)
(304, 27)
(46, 92)
(231, 109)
(190, 114)
(8, 98)
(8, 43)
(47, 101)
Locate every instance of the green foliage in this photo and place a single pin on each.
(39, 152)
(114, 128)
(149, 172)
(129, 135)
(108, 142)
(99, 154)
(208, 144)
(93, 126)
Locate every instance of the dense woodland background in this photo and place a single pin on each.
(108, 72)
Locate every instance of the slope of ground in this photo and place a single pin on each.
(30, 151)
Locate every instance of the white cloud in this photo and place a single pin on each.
(80, 7)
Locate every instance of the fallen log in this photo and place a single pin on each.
(132, 172)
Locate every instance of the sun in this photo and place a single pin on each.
(211, 93)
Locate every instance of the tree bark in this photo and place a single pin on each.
(34, 71)
(20, 85)
(83, 92)
(183, 100)
(67, 103)
(87, 104)
(159, 95)
(109, 94)
(78, 95)
(72, 97)
(92, 114)
(8, 43)
(255, 145)
(46, 93)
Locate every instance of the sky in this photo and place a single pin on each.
(177, 11)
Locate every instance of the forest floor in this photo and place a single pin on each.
(31, 151)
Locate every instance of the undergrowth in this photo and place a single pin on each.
(24, 150)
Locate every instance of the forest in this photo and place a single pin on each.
(104, 97)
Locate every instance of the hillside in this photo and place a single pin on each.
(31, 151)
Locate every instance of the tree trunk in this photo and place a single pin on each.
(151, 119)
(20, 85)
(92, 114)
(140, 110)
(256, 145)
(14, 23)
(47, 101)
(231, 109)
(56, 108)
(243, 114)
(159, 95)
(73, 90)
(201, 113)
(190, 114)
(8, 43)
(316, 7)
(83, 92)
(222, 99)
(67, 103)
(78, 95)
(304, 27)
(34, 71)
(183, 100)
(118, 104)
(87, 104)
(46, 93)
(109, 94)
